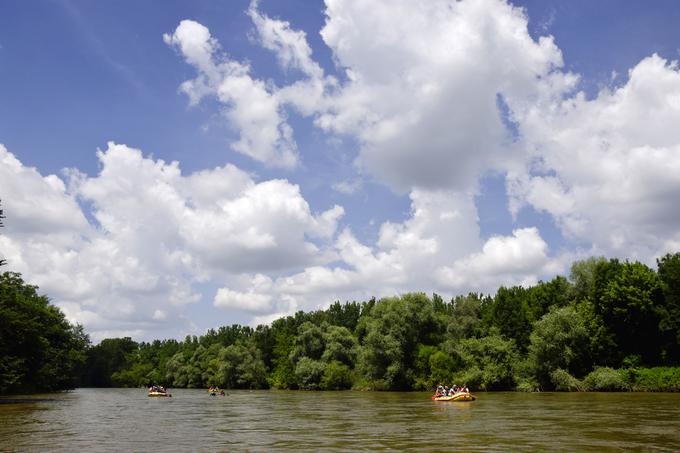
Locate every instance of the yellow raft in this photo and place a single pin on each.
(456, 397)
(160, 394)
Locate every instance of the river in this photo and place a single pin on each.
(128, 420)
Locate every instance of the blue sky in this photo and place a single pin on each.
(327, 151)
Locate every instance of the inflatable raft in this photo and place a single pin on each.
(456, 397)
(159, 394)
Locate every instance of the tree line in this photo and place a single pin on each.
(611, 325)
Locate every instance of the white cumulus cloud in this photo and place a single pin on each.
(424, 83)
(608, 168)
(434, 95)
(155, 233)
(436, 249)
(250, 107)
(516, 259)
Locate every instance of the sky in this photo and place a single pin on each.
(168, 167)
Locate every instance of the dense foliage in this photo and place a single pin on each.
(610, 326)
(39, 349)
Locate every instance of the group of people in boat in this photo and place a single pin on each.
(156, 389)
(443, 390)
(215, 391)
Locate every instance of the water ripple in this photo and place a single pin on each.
(127, 420)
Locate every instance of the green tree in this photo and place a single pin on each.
(265, 341)
(336, 376)
(317, 347)
(157, 354)
(669, 312)
(138, 374)
(487, 363)
(340, 345)
(590, 278)
(210, 365)
(433, 366)
(466, 318)
(241, 366)
(284, 331)
(629, 305)
(582, 277)
(175, 367)
(421, 367)
(393, 330)
(309, 342)
(545, 295)
(39, 348)
(510, 314)
(559, 341)
(309, 372)
(344, 315)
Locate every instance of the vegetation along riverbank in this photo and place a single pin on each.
(610, 326)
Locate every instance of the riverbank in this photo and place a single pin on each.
(602, 379)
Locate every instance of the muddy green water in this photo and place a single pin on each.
(128, 420)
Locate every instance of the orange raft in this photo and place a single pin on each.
(456, 397)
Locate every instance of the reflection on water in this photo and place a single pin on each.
(127, 420)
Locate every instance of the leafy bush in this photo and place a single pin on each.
(336, 376)
(527, 385)
(605, 379)
(525, 376)
(563, 381)
(308, 373)
(657, 379)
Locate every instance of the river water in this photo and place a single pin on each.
(128, 420)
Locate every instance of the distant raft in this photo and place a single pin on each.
(159, 394)
(456, 397)
(216, 391)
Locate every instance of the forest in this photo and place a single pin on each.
(611, 326)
